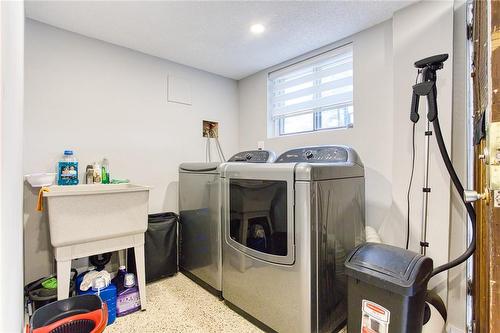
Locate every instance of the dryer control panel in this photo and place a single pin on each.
(254, 156)
(318, 154)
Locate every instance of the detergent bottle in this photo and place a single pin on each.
(128, 299)
(67, 169)
(119, 278)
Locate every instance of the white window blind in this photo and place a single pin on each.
(317, 84)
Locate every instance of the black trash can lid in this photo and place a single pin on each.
(390, 268)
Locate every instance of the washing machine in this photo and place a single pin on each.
(200, 219)
(288, 227)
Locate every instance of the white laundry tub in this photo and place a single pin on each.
(86, 213)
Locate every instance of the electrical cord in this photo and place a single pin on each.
(209, 149)
(223, 159)
(219, 148)
(460, 189)
(206, 149)
(411, 178)
(409, 188)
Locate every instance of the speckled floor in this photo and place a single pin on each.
(178, 304)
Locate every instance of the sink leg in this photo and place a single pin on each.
(141, 273)
(63, 279)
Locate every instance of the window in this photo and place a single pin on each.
(312, 95)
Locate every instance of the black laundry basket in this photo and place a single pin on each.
(160, 247)
(386, 289)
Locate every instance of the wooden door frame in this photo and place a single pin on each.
(486, 81)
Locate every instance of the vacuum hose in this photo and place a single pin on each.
(460, 190)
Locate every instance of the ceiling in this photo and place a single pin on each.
(215, 36)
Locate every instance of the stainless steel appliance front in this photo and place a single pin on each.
(324, 220)
(200, 217)
(200, 228)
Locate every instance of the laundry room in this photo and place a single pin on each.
(249, 166)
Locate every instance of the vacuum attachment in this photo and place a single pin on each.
(428, 67)
(433, 61)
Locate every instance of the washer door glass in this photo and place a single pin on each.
(258, 216)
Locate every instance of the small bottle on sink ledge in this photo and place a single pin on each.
(67, 169)
(105, 171)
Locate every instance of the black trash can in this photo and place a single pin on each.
(160, 247)
(386, 289)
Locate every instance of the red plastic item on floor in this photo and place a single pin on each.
(79, 314)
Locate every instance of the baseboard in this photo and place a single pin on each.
(201, 283)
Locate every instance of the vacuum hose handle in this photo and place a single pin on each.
(414, 117)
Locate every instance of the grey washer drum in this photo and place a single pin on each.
(288, 227)
(200, 219)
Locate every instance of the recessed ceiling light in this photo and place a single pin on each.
(257, 28)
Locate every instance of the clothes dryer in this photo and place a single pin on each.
(288, 227)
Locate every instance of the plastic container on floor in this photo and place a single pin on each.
(386, 289)
(128, 299)
(86, 313)
(79, 279)
(39, 293)
(107, 294)
(119, 278)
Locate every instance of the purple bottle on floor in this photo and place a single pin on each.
(119, 278)
(128, 299)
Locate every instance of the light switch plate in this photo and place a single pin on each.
(178, 90)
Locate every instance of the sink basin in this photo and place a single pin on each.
(86, 213)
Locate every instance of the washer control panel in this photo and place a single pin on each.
(254, 156)
(322, 154)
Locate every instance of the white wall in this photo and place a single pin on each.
(102, 100)
(413, 28)
(383, 76)
(373, 116)
(11, 147)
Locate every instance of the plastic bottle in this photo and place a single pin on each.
(107, 294)
(105, 171)
(67, 169)
(118, 280)
(128, 300)
(97, 173)
(89, 174)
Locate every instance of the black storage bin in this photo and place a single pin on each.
(386, 289)
(160, 247)
(36, 295)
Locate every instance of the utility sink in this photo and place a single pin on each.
(87, 213)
